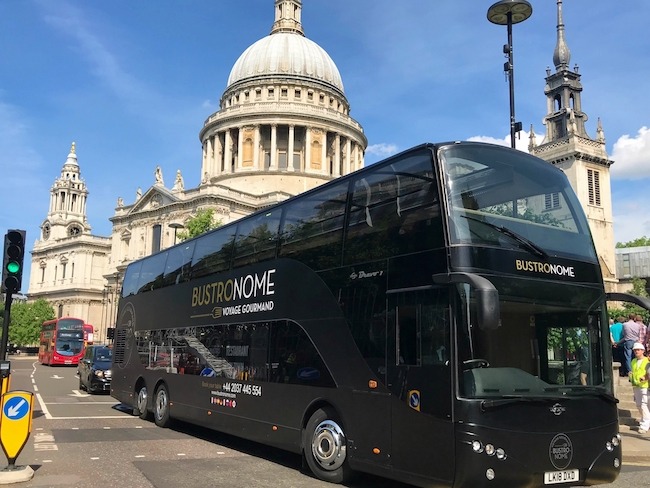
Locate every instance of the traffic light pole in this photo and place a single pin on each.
(5, 325)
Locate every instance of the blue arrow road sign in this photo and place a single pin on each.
(15, 408)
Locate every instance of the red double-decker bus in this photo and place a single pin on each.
(62, 341)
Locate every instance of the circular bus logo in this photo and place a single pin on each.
(560, 451)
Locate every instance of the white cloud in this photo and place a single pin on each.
(631, 156)
(382, 150)
(521, 142)
(631, 219)
(73, 22)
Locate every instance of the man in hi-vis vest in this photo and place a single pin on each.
(639, 376)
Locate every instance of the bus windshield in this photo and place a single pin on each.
(548, 348)
(70, 342)
(512, 200)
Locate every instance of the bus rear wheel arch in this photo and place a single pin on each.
(325, 446)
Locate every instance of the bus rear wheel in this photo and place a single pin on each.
(325, 447)
(161, 407)
(140, 408)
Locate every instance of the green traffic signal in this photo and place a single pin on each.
(12, 267)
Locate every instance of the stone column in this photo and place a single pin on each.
(240, 150)
(290, 148)
(337, 155)
(273, 164)
(218, 154)
(325, 165)
(227, 157)
(204, 162)
(348, 154)
(256, 149)
(307, 150)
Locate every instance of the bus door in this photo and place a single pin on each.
(419, 379)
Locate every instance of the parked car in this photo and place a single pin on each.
(95, 369)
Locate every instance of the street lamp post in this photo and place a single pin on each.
(509, 12)
(176, 226)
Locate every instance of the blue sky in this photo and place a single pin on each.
(131, 82)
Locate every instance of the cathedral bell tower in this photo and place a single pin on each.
(568, 146)
(68, 196)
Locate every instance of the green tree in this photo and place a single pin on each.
(638, 242)
(26, 319)
(202, 222)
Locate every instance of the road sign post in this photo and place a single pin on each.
(15, 427)
(5, 374)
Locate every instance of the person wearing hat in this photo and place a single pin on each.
(639, 375)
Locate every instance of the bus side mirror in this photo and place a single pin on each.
(487, 296)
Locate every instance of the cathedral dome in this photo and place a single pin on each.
(286, 54)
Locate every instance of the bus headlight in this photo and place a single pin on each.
(616, 440)
(501, 454)
(489, 449)
(477, 446)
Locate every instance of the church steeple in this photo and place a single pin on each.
(287, 17)
(561, 55)
(565, 117)
(68, 195)
(568, 146)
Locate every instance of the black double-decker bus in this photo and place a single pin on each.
(438, 317)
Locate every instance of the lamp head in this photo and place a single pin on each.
(519, 11)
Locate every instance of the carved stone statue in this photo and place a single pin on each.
(179, 185)
(159, 176)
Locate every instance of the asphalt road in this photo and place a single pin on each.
(88, 441)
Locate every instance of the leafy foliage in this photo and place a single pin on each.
(26, 319)
(201, 223)
(543, 218)
(638, 242)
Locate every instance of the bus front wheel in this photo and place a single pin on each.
(325, 447)
(161, 407)
(140, 408)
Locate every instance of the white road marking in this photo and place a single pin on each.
(77, 393)
(46, 412)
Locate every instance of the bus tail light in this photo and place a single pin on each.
(372, 384)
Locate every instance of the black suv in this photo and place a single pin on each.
(95, 369)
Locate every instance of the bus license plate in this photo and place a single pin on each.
(553, 477)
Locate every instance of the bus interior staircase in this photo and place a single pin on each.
(219, 365)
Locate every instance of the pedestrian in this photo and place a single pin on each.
(639, 378)
(631, 335)
(616, 337)
(643, 334)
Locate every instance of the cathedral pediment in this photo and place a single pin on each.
(155, 197)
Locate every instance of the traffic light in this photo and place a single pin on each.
(110, 333)
(12, 266)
